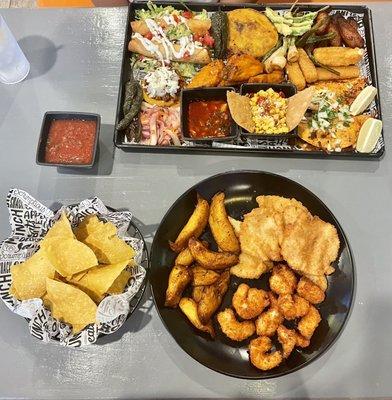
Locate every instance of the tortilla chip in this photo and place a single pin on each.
(61, 228)
(119, 284)
(70, 305)
(99, 279)
(240, 111)
(29, 277)
(69, 256)
(91, 224)
(297, 106)
(109, 250)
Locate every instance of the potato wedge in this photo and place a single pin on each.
(211, 259)
(179, 278)
(194, 227)
(185, 256)
(203, 277)
(212, 296)
(197, 293)
(189, 308)
(221, 228)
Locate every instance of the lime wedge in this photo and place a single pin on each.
(362, 101)
(368, 135)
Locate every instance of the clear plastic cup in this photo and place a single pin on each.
(14, 66)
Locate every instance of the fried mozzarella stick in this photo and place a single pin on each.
(345, 73)
(338, 56)
(295, 75)
(307, 67)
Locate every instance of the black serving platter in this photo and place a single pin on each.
(242, 150)
(212, 93)
(222, 354)
(50, 116)
(250, 88)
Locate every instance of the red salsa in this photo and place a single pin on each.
(209, 119)
(70, 141)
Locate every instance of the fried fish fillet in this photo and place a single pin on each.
(239, 68)
(209, 76)
(310, 246)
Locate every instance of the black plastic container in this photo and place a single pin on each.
(212, 93)
(250, 88)
(207, 147)
(56, 115)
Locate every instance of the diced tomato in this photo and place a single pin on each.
(187, 14)
(176, 18)
(208, 40)
(186, 54)
(148, 36)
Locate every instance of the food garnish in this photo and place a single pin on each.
(368, 136)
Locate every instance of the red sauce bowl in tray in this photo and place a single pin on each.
(205, 115)
(68, 139)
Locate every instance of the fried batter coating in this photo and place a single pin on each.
(259, 354)
(239, 68)
(234, 329)
(179, 278)
(273, 300)
(287, 338)
(310, 291)
(267, 323)
(301, 341)
(308, 324)
(319, 280)
(310, 246)
(236, 224)
(292, 306)
(250, 267)
(249, 302)
(283, 280)
(209, 75)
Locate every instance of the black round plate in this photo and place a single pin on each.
(223, 355)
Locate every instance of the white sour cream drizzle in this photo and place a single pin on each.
(186, 43)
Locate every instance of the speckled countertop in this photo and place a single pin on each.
(76, 56)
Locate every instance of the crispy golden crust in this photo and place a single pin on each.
(249, 302)
(234, 329)
(288, 339)
(209, 76)
(283, 280)
(319, 280)
(250, 32)
(310, 291)
(260, 356)
(292, 306)
(267, 323)
(179, 278)
(239, 68)
(308, 323)
(310, 246)
(203, 277)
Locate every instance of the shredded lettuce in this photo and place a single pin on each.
(186, 70)
(153, 11)
(177, 32)
(144, 64)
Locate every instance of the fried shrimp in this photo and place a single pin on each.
(288, 339)
(234, 329)
(292, 306)
(319, 280)
(249, 302)
(260, 355)
(310, 291)
(267, 323)
(283, 280)
(301, 341)
(308, 324)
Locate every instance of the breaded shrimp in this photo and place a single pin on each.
(301, 341)
(249, 302)
(310, 291)
(267, 323)
(292, 306)
(308, 324)
(234, 329)
(259, 354)
(287, 338)
(283, 280)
